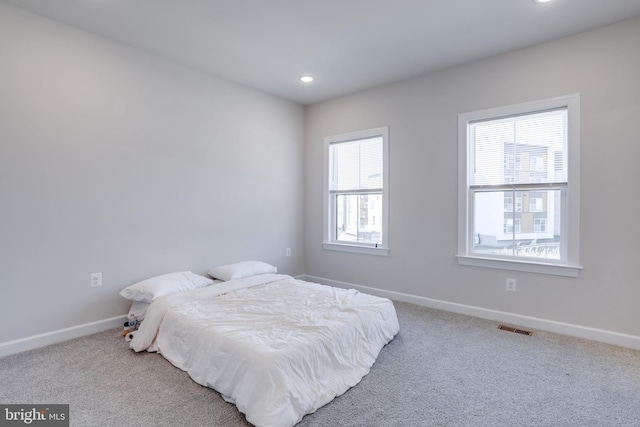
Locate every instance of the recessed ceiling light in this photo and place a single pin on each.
(306, 79)
(541, 1)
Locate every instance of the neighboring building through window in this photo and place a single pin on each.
(519, 180)
(356, 191)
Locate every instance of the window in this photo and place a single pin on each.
(535, 204)
(537, 163)
(508, 204)
(356, 192)
(512, 225)
(527, 154)
(540, 225)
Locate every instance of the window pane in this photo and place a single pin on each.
(359, 218)
(357, 165)
(520, 150)
(531, 228)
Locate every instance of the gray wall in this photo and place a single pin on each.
(603, 66)
(116, 161)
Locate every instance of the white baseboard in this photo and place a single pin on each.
(48, 338)
(609, 337)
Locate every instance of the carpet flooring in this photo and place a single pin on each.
(442, 369)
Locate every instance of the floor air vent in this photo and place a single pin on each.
(514, 330)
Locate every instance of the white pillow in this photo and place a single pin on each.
(150, 289)
(241, 269)
(138, 310)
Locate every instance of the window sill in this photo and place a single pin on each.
(367, 250)
(518, 265)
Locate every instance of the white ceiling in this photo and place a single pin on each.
(347, 45)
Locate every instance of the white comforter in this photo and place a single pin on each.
(277, 347)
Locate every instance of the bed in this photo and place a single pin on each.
(275, 346)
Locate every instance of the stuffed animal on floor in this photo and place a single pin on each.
(129, 336)
(130, 325)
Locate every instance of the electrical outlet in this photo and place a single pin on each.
(287, 252)
(511, 285)
(96, 280)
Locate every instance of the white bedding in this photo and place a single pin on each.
(277, 347)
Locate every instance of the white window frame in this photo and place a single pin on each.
(329, 240)
(569, 264)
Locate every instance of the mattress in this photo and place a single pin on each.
(275, 346)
